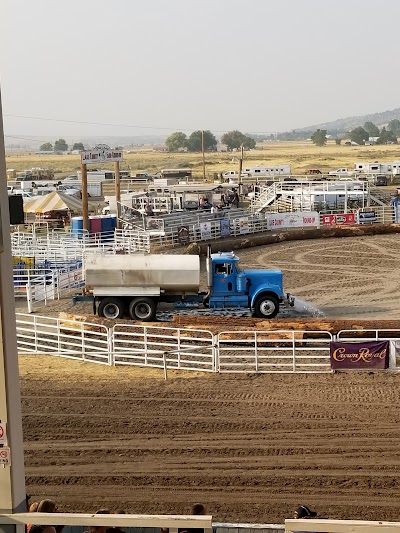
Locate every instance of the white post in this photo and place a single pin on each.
(29, 297)
(12, 478)
(165, 366)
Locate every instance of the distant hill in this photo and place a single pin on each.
(347, 124)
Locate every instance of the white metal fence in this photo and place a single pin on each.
(177, 348)
(274, 351)
(65, 338)
(42, 284)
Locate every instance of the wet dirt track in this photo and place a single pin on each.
(251, 448)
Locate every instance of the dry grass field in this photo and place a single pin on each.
(301, 155)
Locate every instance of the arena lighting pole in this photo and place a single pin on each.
(12, 478)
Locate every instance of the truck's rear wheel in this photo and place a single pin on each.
(111, 308)
(143, 309)
(266, 306)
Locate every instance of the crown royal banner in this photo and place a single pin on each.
(359, 355)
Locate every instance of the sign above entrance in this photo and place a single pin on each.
(101, 154)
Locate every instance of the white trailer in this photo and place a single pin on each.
(389, 167)
(263, 172)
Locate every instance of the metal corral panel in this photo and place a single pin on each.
(171, 273)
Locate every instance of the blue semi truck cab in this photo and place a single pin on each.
(229, 286)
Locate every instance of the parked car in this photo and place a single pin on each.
(69, 189)
(190, 205)
(380, 180)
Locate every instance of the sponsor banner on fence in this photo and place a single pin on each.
(338, 220)
(293, 220)
(154, 224)
(183, 234)
(225, 227)
(366, 217)
(359, 355)
(205, 230)
(243, 225)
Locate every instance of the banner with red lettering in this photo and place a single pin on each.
(342, 219)
(359, 355)
(296, 219)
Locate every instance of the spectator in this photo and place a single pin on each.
(235, 201)
(304, 512)
(197, 509)
(45, 506)
(116, 529)
(32, 509)
(99, 529)
(148, 210)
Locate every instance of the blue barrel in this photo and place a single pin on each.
(108, 225)
(77, 226)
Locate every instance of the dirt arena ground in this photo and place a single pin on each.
(250, 447)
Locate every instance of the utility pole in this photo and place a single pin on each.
(85, 205)
(240, 180)
(117, 192)
(12, 476)
(204, 160)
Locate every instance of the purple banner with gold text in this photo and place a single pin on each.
(359, 355)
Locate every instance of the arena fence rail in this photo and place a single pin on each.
(172, 522)
(274, 351)
(281, 351)
(340, 526)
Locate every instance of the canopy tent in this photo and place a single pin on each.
(56, 201)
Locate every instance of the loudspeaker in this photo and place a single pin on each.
(16, 206)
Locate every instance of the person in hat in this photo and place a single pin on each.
(303, 511)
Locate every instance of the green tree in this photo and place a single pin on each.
(359, 135)
(319, 137)
(78, 146)
(386, 137)
(371, 129)
(234, 139)
(60, 145)
(338, 141)
(176, 141)
(394, 127)
(194, 141)
(46, 147)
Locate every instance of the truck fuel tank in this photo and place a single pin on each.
(169, 273)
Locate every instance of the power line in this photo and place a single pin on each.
(47, 119)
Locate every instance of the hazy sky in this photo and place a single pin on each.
(157, 66)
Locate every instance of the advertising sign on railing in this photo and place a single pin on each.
(359, 355)
(183, 234)
(341, 219)
(293, 220)
(225, 227)
(366, 217)
(244, 225)
(205, 230)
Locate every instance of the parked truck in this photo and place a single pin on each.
(134, 285)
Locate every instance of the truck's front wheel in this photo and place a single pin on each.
(266, 306)
(143, 309)
(111, 308)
